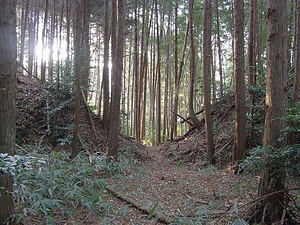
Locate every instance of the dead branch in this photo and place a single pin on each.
(230, 107)
(24, 69)
(231, 139)
(90, 115)
(188, 118)
(191, 131)
(157, 214)
(184, 120)
(197, 200)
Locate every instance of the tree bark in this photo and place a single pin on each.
(158, 84)
(219, 49)
(194, 118)
(239, 148)
(8, 71)
(86, 47)
(295, 97)
(77, 71)
(105, 76)
(44, 38)
(137, 117)
(51, 42)
(273, 180)
(23, 31)
(117, 87)
(206, 77)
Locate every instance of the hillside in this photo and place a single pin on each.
(45, 118)
(167, 184)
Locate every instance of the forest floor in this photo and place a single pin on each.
(170, 183)
(184, 194)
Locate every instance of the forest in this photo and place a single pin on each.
(150, 112)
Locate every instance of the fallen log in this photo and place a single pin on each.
(148, 210)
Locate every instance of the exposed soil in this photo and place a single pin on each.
(174, 176)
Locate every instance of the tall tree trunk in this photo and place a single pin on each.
(129, 85)
(145, 72)
(141, 71)
(295, 97)
(68, 34)
(206, 77)
(44, 39)
(31, 42)
(51, 42)
(152, 88)
(167, 86)
(272, 207)
(77, 71)
(105, 76)
(113, 43)
(23, 31)
(219, 49)
(8, 71)
(59, 61)
(86, 47)
(252, 43)
(158, 84)
(193, 116)
(115, 115)
(137, 117)
(175, 102)
(239, 83)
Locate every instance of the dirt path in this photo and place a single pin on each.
(186, 194)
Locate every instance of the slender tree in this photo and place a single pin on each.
(137, 117)
(77, 71)
(51, 41)
(8, 71)
(115, 115)
(206, 77)
(24, 21)
(44, 39)
(295, 97)
(175, 99)
(219, 48)
(158, 73)
(105, 76)
(86, 46)
(239, 83)
(193, 116)
(252, 42)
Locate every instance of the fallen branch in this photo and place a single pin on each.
(197, 200)
(185, 135)
(230, 107)
(30, 74)
(157, 214)
(90, 115)
(184, 120)
(197, 113)
(231, 139)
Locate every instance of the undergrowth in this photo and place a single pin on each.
(50, 187)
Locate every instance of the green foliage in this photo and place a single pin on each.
(16, 164)
(153, 209)
(293, 118)
(282, 158)
(258, 90)
(240, 222)
(49, 185)
(285, 158)
(62, 105)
